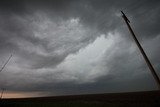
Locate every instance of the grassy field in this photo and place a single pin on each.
(133, 99)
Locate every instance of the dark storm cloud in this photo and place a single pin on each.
(96, 13)
(42, 34)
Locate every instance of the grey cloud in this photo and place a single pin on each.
(41, 35)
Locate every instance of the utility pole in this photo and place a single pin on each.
(142, 51)
(2, 93)
(6, 63)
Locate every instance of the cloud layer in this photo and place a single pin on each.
(74, 47)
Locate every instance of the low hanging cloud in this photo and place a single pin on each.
(73, 47)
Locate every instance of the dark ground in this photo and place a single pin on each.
(131, 99)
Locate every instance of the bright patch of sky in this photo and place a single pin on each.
(87, 64)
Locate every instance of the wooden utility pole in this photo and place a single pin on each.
(6, 63)
(142, 51)
(2, 93)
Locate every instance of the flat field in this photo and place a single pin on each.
(130, 99)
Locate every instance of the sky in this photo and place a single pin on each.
(67, 47)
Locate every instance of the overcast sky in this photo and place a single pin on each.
(64, 47)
